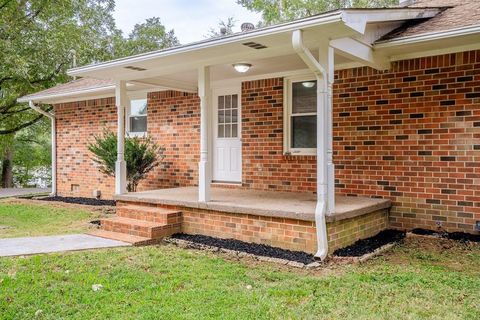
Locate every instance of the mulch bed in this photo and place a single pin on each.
(458, 236)
(250, 248)
(80, 200)
(365, 246)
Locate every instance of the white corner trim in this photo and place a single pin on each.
(361, 52)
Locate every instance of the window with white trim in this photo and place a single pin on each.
(300, 134)
(137, 117)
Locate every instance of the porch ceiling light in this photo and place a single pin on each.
(242, 67)
(308, 84)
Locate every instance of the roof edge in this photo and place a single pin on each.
(436, 35)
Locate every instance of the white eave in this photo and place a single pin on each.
(330, 25)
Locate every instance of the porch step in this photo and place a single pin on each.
(141, 228)
(152, 214)
(134, 240)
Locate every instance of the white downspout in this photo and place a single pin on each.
(51, 116)
(322, 140)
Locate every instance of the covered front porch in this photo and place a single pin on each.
(287, 205)
(282, 219)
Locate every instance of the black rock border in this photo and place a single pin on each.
(366, 246)
(457, 236)
(247, 247)
(79, 200)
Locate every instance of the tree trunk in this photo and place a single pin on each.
(7, 166)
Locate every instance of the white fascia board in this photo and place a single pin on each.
(431, 36)
(359, 51)
(86, 94)
(331, 17)
(357, 19)
(54, 96)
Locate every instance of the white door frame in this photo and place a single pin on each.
(227, 89)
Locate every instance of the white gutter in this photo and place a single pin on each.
(54, 144)
(322, 141)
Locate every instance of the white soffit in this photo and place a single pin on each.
(229, 49)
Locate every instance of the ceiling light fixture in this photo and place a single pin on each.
(242, 67)
(308, 84)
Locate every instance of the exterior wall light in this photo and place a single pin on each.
(242, 67)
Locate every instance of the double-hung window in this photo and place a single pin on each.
(300, 134)
(137, 117)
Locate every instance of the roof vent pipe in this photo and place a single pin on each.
(247, 26)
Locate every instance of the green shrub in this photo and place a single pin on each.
(141, 156)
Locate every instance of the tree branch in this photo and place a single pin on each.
(23, 125)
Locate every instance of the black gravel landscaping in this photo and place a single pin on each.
(364, 246)
(251, 248)
(80, 200)
(458, 236)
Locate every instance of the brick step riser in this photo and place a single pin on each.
(147, 232)
(157, 217)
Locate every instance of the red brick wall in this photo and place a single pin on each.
(77, 123)
(264, 165)
(174, 122)
(412, 135)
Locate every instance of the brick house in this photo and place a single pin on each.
(385, 101)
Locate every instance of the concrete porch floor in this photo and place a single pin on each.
(290, 205)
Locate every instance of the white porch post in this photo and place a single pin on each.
(326, 55)
(121, 165)
(204, 93)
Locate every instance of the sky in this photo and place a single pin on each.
(191, 19)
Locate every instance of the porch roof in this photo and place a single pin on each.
(360, 37)
(289, 205)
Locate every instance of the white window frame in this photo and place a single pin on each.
(287, 114)
(128, 114)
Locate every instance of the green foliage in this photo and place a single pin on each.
(32, 154)
(141, 154)
(276, 11)
(148, 36)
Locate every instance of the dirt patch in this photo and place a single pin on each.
(366, 246)
(458, 236)
(80, 200)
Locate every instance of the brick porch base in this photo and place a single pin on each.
(143, 223)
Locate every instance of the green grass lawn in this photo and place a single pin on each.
(23, 219)
(422, 279)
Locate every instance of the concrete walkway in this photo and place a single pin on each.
(15, 192)
(72, 242)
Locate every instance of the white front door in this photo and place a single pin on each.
(227, 143)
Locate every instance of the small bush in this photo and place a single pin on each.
(142, 155)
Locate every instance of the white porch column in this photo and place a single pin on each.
(326, 55)
(204, 93)
(121, 165)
